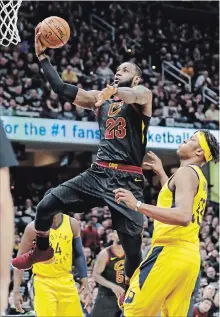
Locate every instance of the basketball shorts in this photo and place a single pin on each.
(94, 188)
(105, 306)
(163, 282)
(56, 297)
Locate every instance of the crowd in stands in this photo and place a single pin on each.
(96, 233)
(144, 34)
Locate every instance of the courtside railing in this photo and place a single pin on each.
(102, 24)
(209, 94)
(108, 28)
(176, 73)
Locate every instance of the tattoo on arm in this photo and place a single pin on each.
(143, 95)
(138, 94)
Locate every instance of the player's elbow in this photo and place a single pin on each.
(185, 221)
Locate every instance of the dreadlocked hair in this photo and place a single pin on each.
(213, 145)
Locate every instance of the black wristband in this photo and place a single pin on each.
(64, 90)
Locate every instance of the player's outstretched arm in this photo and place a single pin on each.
(156, 165)
(186, 185)
(138, 95)
(99, 267)
(80, 260)
(25, 245)
(79, 257)
(72, 93)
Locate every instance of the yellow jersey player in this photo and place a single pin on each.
(166, 279)
(55, 292)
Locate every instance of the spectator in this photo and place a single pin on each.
(203, 282)
(80, 114)
(29, 209)
(68, 111)
(212, 113)
(69, 75)
(90, 238)
(104, 72)
(188, 70)
(53, 106)
(203, 80)
(89, 259)
(202, 309)
(214, 311)
(200, 116)
(171, 111)
(101, 233)
(211, 275)
(209, 291)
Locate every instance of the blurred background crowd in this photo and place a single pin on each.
(96, 233)
(103, 35)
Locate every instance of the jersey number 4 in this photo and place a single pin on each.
(58, 249)
(115, 128)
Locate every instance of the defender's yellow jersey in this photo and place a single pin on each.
(61, 241)
(164, 233)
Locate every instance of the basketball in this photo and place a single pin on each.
(55, 32)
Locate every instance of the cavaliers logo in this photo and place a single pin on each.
(115, 108)
(119, 266)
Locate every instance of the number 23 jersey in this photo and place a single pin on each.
(123, 133)
(61, 241)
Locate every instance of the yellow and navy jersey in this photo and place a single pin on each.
(164, 233)
(61, 241)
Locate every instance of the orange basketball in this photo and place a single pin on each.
(55, 32)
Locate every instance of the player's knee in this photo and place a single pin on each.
(134, 249)
(133, 260)
(44, 205)
(134, 252)
(135, 257)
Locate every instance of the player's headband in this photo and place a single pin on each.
(204, 145)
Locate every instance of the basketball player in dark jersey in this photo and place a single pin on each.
(109, 274)
(7, 159)
(123, 121)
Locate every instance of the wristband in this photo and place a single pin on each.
(41, 53)
(138, 204)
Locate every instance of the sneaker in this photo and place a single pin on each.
(25, 261)
(120, 301)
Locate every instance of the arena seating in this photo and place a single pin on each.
(93, 53)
